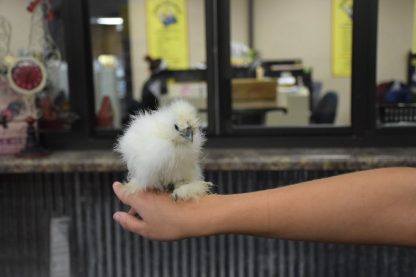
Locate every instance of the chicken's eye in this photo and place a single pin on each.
(176, 127)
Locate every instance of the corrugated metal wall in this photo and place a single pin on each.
(98, 247)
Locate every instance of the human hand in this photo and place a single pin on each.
(155, 216)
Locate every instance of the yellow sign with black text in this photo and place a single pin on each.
(414, 29)
(167, 32)
(342, 37)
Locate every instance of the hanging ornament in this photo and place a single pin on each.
(27, 76)
(40, 39)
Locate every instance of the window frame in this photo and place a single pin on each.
(363, 131)
(357, 83)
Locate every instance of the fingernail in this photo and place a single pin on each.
(116, 216)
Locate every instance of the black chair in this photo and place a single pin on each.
(326, 109)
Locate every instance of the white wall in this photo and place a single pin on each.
(395, 39)
(239, 21)
(15, 11)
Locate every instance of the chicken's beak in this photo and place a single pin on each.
(188, 133)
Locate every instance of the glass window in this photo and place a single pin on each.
(294, 67)
(146, 53)
(396, 64)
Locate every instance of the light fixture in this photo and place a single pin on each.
(107, 20)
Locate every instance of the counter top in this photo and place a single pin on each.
(225, 159)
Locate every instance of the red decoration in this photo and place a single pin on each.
(30, 120)
(105, 114)
(48, 112)
(32, 5)
(51, 16)
(27, 75)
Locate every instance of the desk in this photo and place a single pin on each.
(254, 113)
(292, 110)
(298, 113)
(243, 113)
(256, 105)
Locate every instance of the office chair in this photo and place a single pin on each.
(326, 109)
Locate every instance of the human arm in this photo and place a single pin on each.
(374, 206)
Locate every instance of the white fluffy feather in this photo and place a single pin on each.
(159, 152)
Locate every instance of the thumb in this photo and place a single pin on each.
(121, 194)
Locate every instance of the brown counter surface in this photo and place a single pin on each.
(225, 159)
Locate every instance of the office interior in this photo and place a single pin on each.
(286, 105)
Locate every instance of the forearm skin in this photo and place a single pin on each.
(370, 207)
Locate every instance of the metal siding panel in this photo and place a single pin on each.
(99, 247)
(175, 259)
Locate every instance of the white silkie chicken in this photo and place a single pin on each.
(162, 150)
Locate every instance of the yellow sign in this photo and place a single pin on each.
(167, 32)
(414, 28)
(342, 37)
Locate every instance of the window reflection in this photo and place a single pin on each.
(146, 54)
(396, 64)
(291, 75)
